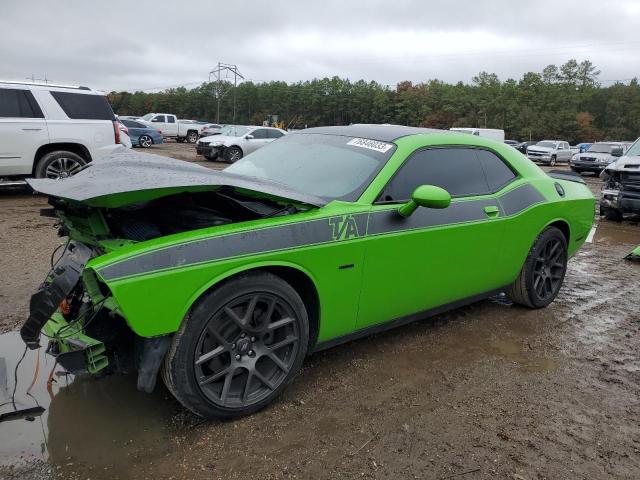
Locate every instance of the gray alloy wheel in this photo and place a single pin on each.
(239, 347)
(247, 349)
(233, 154)
(145, 141)
(192, 137)
(543, 271)
(553, 161)
(59, 165)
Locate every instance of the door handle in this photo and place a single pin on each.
(31, 129)
(492, 211)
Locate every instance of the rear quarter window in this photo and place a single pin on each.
(16, 103)
(80, 106)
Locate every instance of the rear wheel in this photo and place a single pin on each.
(233, 154)
(192, 137)
(543, 272)
(59, 164)
(145, 141)
(239, 348)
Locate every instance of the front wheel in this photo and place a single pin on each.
(232, 154)
(543, 271)
(239, 347)
(613, 215)
(553, 161)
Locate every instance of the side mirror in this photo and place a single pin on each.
(616, 151)
(249, 137)
(428, 196)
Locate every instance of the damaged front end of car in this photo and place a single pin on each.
(621, 188)
(109, 213)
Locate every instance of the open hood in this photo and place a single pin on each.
(127, 177)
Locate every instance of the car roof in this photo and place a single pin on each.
(50, 86)
(383, 133)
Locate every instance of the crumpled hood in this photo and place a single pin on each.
(622, 163)
(128, 177)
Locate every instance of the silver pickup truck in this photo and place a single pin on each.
(550, 152)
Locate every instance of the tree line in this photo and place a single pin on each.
(564, 102)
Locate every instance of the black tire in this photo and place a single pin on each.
(219, 330)
(59, 164)
(233, 154)
(211, 159)
(613, 214)
(179, 139)
(145, 141)
(553, 161)
(192, 136)
(543, 271)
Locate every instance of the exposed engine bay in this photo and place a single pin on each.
(621, 189)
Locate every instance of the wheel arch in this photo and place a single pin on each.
(300, 279)
(562, 225)
(76, 148)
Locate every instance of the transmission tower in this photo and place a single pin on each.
(216, 72)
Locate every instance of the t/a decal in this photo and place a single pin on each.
(344, 227)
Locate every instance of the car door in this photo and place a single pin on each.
(259, 139)
(23, 130)
(567, 153)
(434, 257)
(171, 126)
(160, 122)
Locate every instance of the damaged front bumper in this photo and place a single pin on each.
(622, 200)
(73, 349)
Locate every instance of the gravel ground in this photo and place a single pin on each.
(487, 391)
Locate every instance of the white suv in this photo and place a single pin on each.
(52, 131)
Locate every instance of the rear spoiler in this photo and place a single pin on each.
(564, 175)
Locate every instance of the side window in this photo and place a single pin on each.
(497, 172)
(158, 119)
(274, 133)
(128, 123)
(171, 119)
(18, 103)
(457, 170)
(81, 106)
(260, 133)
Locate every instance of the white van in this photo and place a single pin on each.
(492, 133)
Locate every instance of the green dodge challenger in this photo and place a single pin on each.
(222, 282)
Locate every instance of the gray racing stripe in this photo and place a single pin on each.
(520, 199)
(330, 229)
(232, 245)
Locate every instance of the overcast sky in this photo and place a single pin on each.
(145, 45)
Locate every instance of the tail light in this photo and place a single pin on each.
(116, 131)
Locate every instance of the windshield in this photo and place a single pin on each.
(328, 166)
(234, 131)
(147, 116)
(600, 148)
(546, 144)
(634, 150)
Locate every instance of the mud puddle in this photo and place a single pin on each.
(101, 423)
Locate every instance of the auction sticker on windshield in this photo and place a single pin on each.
(381, 147)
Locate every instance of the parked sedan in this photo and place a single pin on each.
(597, 157)
(236, 141)
(142, 135)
